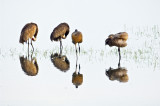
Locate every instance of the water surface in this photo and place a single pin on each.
(53, 86)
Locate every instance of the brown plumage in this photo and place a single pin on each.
(60, 62)
(118, 40)
(60, 32)
(77, 79)
(29, 67)
(119, 74)
(29, 31)
(77, 38)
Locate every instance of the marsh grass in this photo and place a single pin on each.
(142, 54)
(143, 47)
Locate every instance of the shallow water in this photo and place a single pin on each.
(136, 82)
(51, 86)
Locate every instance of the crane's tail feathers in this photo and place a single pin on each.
(21, 40)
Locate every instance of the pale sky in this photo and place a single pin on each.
(94, 18)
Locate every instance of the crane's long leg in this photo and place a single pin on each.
(32, 46)
(76, 49)
(79, 47)
(31, 55)
(119, 56)
(76, 63)
(79, 69)
(28, 48)
(119, 63)
(61, 46)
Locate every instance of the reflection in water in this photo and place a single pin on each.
(77, 78)
(119, 74)
(29, 65)
(60, 61)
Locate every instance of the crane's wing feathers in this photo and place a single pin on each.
(61, 30)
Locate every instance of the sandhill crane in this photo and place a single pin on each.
(77, 38)
(118, 40)
(29, 31)
(59, 33)
(61, 62)
(30, 67)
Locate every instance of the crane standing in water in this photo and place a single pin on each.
(59, 33)
(77, 38)
(118, 40)
(29, 31)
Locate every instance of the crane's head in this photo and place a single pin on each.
(33, 38)
(76, 30)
